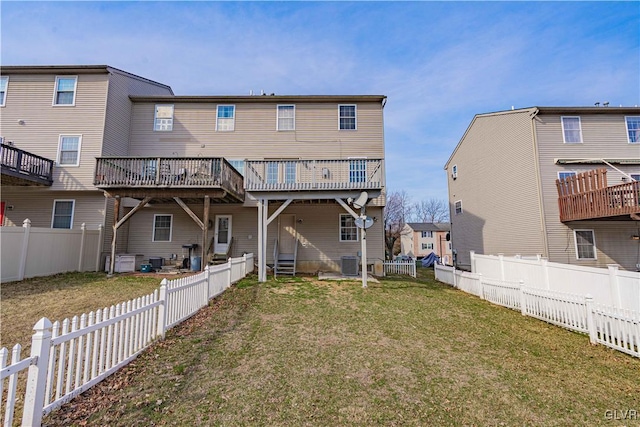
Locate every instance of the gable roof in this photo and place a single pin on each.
(429, 226)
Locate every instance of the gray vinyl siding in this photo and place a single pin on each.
(604, 136)
(498, 188)
(30, 97)
(318, 230)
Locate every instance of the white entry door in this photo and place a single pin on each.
(222, 234)
(287, 233)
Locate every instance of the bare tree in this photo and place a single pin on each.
(396, 212)
(432, 210)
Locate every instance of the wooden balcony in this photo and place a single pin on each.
(20, 167)
(587, 196)
(160, 177)
(311, 175)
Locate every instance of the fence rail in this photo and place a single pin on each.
(71, 356)
(395, 267)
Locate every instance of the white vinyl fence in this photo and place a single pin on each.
(400, 267)
(30, 251)
(71, 356)
(614, 327)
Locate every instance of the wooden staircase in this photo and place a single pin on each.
(284, 263)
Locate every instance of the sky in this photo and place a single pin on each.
(439, 63)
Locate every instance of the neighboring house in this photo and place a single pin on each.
(525, 182)
(419, 239)
(230, 174)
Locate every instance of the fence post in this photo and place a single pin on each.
(162, 308)
(83, 227)
(480, 287)
(25, 246)
(244, 263)
(455, 285)
(37, 376)
(206, 278)
(472, 254)
(99, 248)
(614, 285)
(523, 304)
(501, 259)
(545, 272)
(228, 273)
(591, 324)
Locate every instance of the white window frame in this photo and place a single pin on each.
(575, 243)
(163, 126)
(358, 172)
(572, 173)
(153, 228)
(355, 116)
(233, 123)
(73, 211)
(3, 102)
(564, 135)
(59, 156)
(454, 171)
(455, 207)
(427, 234)
(238, 165)
(340, 228)
(55, 91)
(427, 246)
(626, 122)
(635, 176)
(278, 128)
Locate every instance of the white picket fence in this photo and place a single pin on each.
(71, 356)
(398, 267)
(613, 327)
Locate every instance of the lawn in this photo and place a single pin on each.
(299, 351)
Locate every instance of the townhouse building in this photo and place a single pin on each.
(419, 239)
(222, 175)
(557, 181)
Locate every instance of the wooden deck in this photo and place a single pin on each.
(19, 167)
(587, 196)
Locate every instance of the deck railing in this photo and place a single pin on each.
(24, 165)
(302, 175)
(154, 172)
(587, 196)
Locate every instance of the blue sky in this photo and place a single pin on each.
(439, 63)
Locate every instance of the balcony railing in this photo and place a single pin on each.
(587, 196)
(159, 172)
(304, 175)
(20, 167)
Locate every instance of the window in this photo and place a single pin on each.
(633, 129)
(65, 92)
(62, 214)
(162, 228)
(348, 228)
(347, 117)
(226, 118)
(427, 246)
(458, 207)
(427, 234)
(238, 165)
(289, 172)
(635, 176)
(4, 82)
(286, 117)
(163, 119)
(357, 171)
(585, 244)
(69, 150)
(563, 175)
(454, 171)
(272, 172)
(571, 130)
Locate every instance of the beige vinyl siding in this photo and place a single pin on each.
(37, 205)
(31, 101)
(498, 188)
(604, 136)
(255, 135)
(318, 231)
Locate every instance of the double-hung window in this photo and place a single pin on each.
(4, 82)
(564, 175)
(163, 117)
(585, 244)
(571, 130)
(427, 234)
(633, 129)
(272, 172)
(226, 115)
(289, 172)
(427, 246)
(358, 170)
(347, 117)
(69, 150)
(286, 117)
(62, 214)
(348, 228)
(65, 91)
(162, 228)
(458, 207)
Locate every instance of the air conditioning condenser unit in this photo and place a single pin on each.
(350, 265)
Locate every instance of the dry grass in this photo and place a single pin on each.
(402, 352)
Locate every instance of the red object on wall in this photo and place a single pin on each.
(1, 214)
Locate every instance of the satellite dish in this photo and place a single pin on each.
(364, 222)
(361, 201)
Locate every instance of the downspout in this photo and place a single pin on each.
(543, 223)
